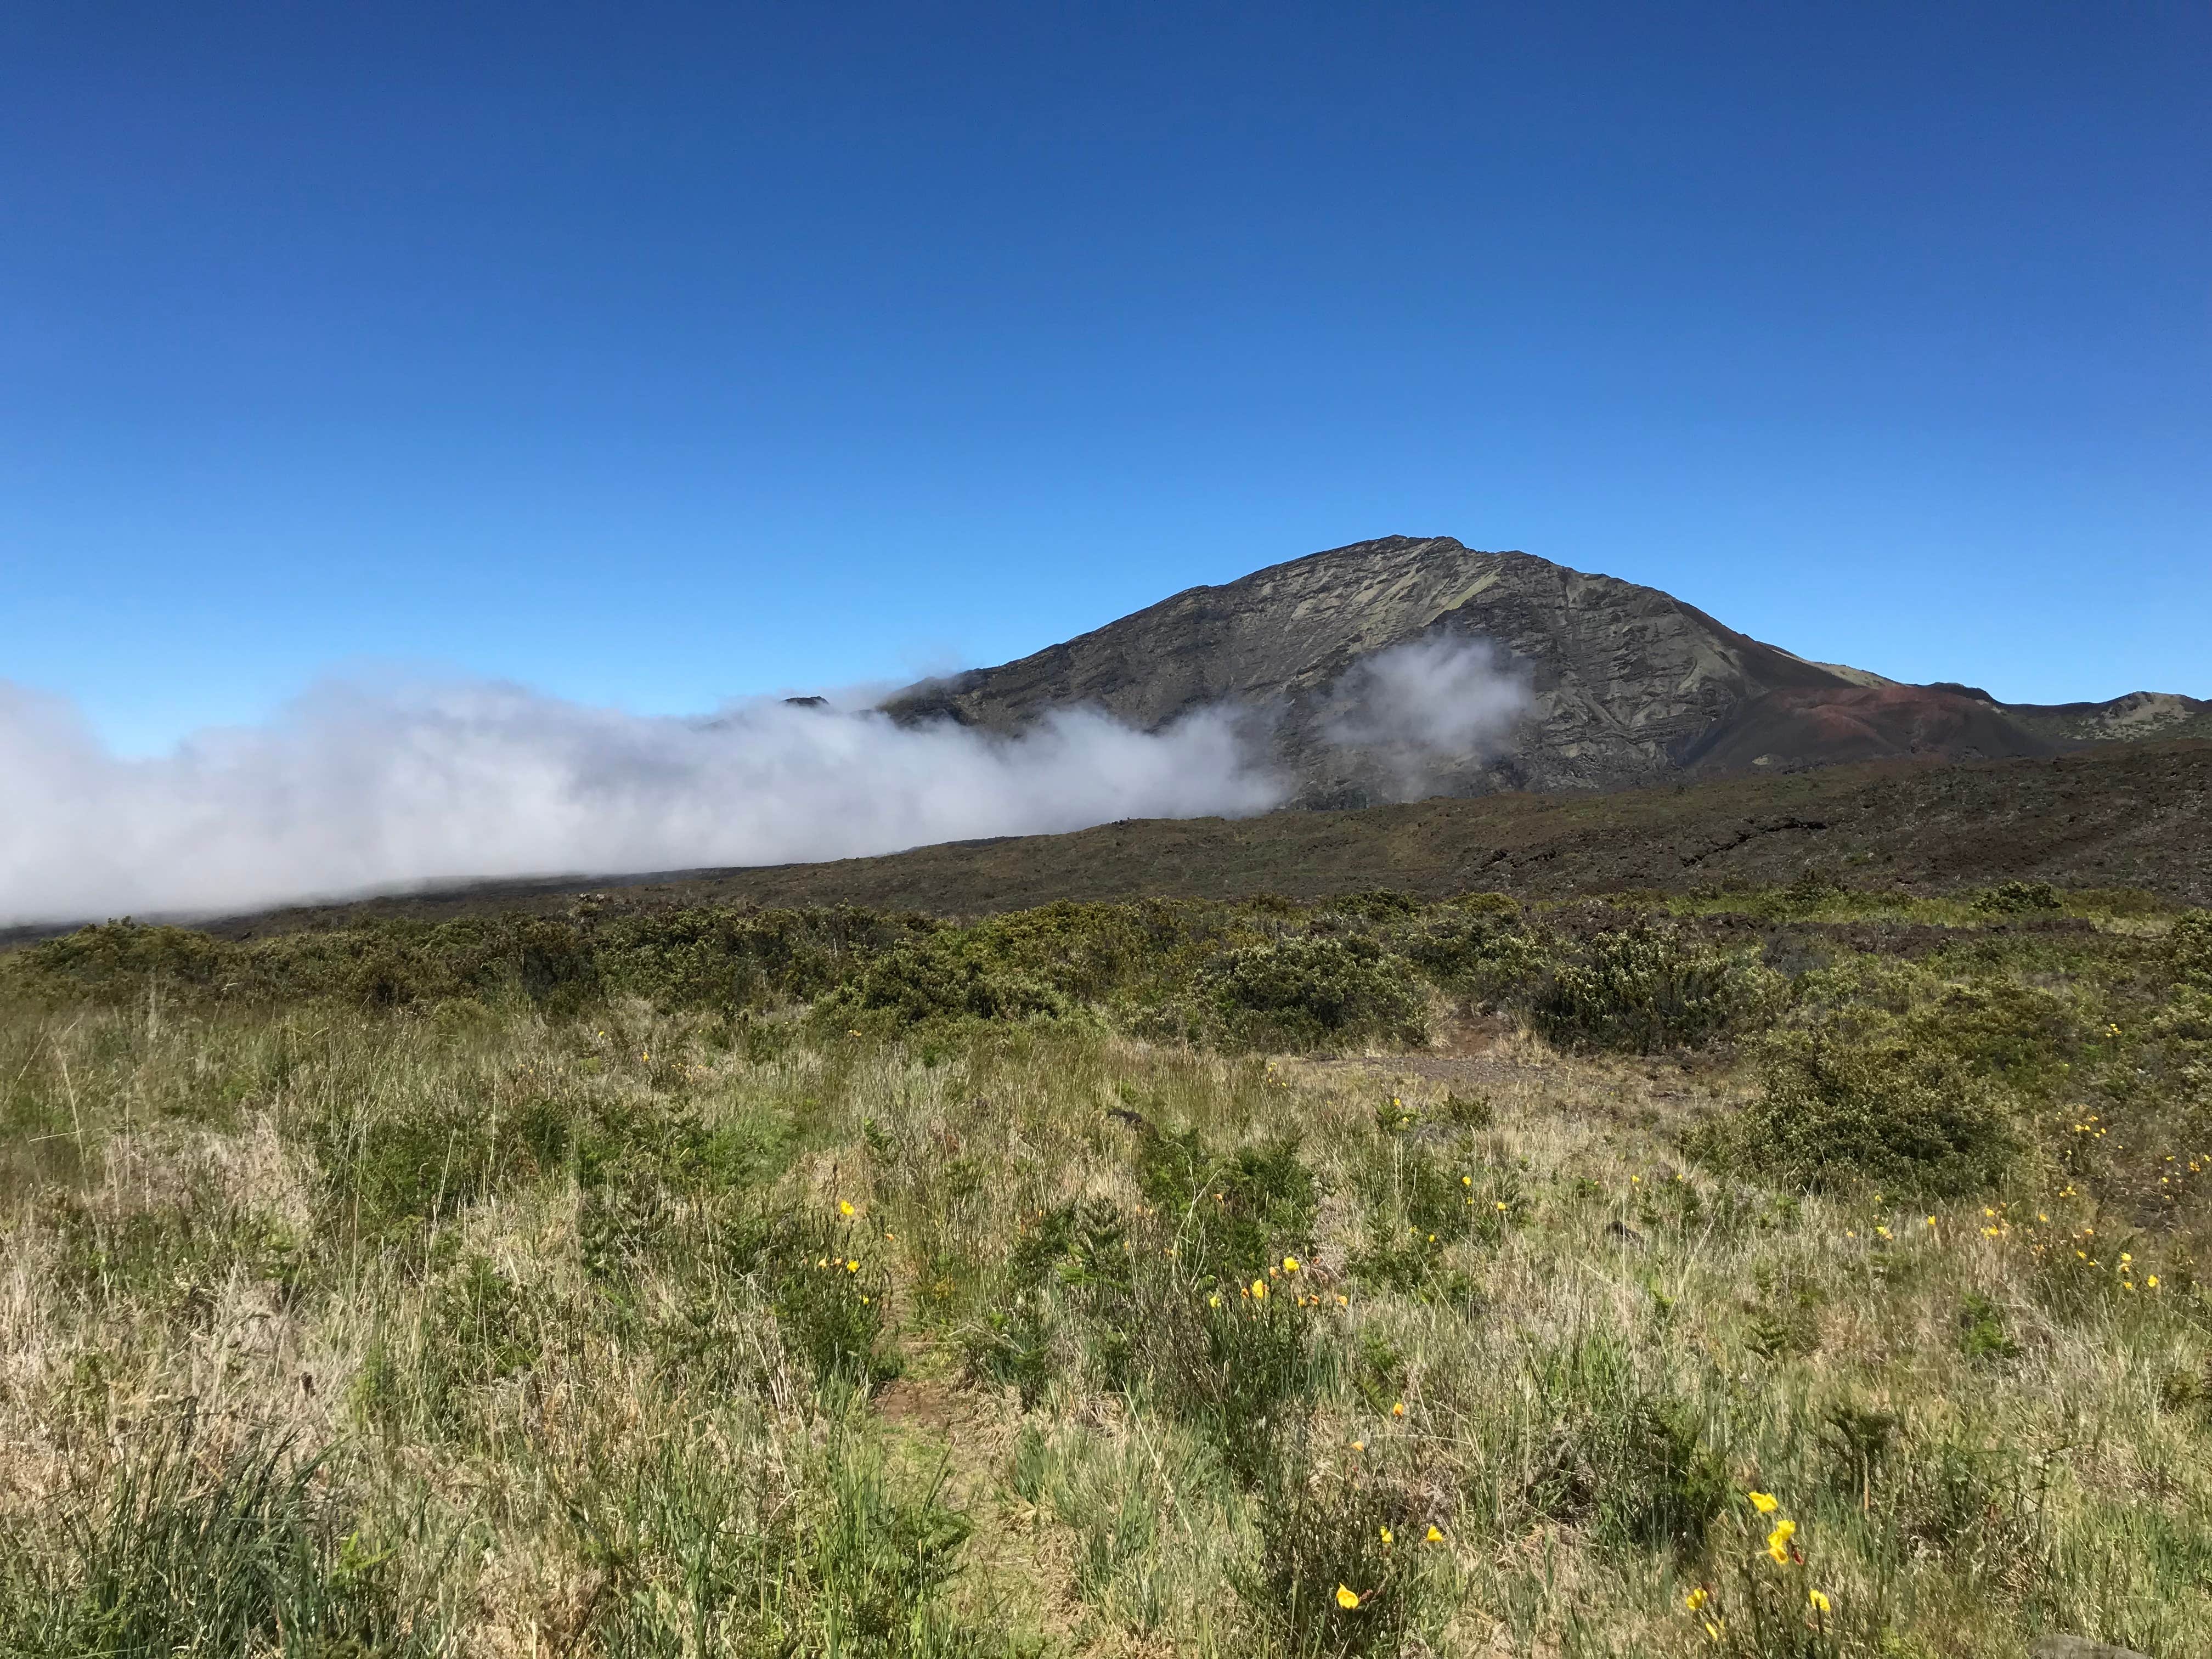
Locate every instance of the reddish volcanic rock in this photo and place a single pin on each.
(1794, 728)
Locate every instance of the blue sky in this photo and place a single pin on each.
(652, 354)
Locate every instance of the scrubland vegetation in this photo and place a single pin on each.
(1799, 1271)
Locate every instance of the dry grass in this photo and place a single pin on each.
(547, 1387)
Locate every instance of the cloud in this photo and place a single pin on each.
(356, 788)
(1446, 698)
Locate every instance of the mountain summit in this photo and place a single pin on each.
(1583, 681)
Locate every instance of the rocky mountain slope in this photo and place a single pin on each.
(1612, 683)
(2113, 815)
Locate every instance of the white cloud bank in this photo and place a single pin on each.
(1447, 697)
(354, 789)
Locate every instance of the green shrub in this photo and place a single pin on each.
(2189, 947)
(1839, 1112)
(1645, 988)
(729, 958)
(2020, 1033)
(1476, 952)
(1230, 1215)
(2016, 898)
(1313, 990)
(123, 961)
(942, 979)
(1984, 1336)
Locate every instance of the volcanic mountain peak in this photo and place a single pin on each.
(1610, 683)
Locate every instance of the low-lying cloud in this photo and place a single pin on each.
(355, 789)
(1446, 698)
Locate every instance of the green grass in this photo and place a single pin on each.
(716, 1288)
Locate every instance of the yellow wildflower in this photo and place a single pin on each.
(1817, 1601)
(1764, 1502)
(1777, 1542)
(1696, 1598)
(1290, 1264)
(1213, 1301)
(844, 1207)
(1347, 1599)
(1386, 1538)
(1260, 1290)
(1398, 1410)
(1713, 1628)
(852, 1267)
(1343, 1301)
(1434, 1536)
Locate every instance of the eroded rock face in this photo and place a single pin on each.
(1616, 685)
(1620, 682)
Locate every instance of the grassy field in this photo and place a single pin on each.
(1790, 1272)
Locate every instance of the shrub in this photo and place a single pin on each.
(1476, 952)
(2018, 1033)
(1316, 989)
(118, 961)
(1230, 1213)
(2015, 898)
(1837, 1112)
(939, 979)
(1644, 988)
(2189, 947)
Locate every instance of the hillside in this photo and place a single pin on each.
(2132, 815)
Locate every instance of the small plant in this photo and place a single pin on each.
(199, 1550)
(1337, 1566)
(1983, 1335)
(1771, 1604)
(1621, 1454)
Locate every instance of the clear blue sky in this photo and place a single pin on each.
(652, 353)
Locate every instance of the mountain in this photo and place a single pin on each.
(1617, 685)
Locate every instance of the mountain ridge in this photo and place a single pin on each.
(1624, 684)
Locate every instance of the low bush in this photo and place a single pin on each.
(1483, 954)
(1838, 1111)
(941, 979)
(2018, 898)
(1316, 990)
(1646, 988)
(2189, 948)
